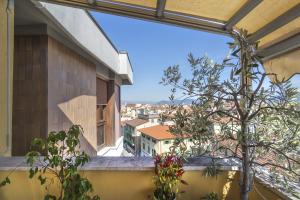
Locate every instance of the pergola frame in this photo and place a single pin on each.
(159, 14)
(271, 53)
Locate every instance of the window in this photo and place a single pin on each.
(148, 149)
(153, 152)
(148, 138)
(166, 142)
(100, 116)
(154, 141)
(100, 135)
(100, 112)
(144, 146)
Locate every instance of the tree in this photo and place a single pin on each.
(245, 116)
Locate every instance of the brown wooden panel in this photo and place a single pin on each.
(30, 92)
(72, 93)
(117, 111)
(101, 91)
(110, 114)
(100, 135)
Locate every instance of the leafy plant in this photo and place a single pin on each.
(211, 196)
(5, 181)
(61, 159)
(168, 173)
(257, 119)
(211, 171)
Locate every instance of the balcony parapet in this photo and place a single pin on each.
(119, 170)
(124, 164)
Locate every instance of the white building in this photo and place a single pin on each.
(157, 140)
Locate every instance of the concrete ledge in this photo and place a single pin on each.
(123, 164)
(112, 151)
(143, 167)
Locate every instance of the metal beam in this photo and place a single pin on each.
(241, 13)
(160, 8)
(280, 48)
(146, 13)
(280, 21)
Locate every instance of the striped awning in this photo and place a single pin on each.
(274, 23)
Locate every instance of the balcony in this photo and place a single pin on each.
(132, 178)
(119, 177)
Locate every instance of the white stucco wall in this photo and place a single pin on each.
(159, 147)
(81, 29)
(125, 68)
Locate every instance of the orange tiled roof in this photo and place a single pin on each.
(159, 132)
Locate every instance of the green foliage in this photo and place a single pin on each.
(211, 196)
(168, 173)
(244, 116)
(61, 159)
(6, 181)
(211, 171)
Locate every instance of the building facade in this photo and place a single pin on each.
(132, 136)
(157, 140)
(66, 71)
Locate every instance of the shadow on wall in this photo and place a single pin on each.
(80, 110)
(231, 189)
(225, 185)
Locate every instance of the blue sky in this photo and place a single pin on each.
(152, 47)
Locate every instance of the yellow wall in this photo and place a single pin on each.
(284, 66)
(131, 185)
(6, 72)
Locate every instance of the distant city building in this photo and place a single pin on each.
(151, 117)
(131, 137)
(157, 140)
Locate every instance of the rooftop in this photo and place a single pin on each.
(159, 132)
(136, 122)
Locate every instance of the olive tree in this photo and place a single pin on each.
(248, 115)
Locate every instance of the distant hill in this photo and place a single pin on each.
(162, 102)
(168, 102)
(185, 102)
(137, 102)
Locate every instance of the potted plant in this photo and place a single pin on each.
(168, 176)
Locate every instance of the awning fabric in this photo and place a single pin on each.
(274, 23)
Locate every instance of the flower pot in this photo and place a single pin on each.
(158, 195)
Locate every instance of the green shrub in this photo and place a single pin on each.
(168, 173)
(61, 159)
(211, 196)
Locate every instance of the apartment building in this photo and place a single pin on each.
(158, 139)
(153, 118)
(66, 71)
(132, 135)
